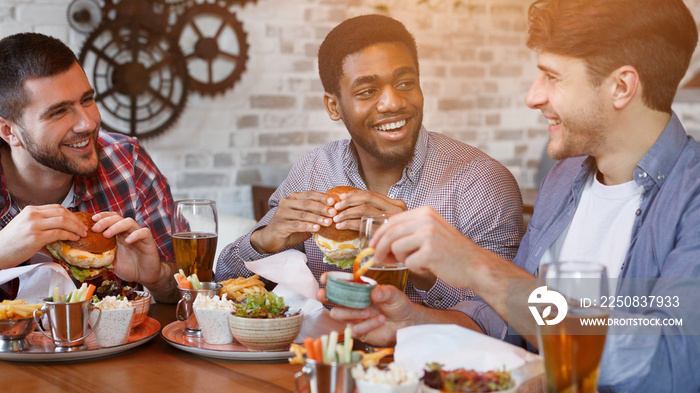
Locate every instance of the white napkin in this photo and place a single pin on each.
(298, 286)
(37, 281)
(457, 347)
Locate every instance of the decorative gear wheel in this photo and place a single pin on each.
(144, 11)
(139, 76)
(214, 45)
(84, 15)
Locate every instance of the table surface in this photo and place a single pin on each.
(152, 367)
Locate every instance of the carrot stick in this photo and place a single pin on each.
(310, 350)
(182, 282)
(318, 346)
(89, 292)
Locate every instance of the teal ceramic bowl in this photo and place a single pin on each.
(341, 290)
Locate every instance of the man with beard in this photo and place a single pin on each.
(625, 194)
(55, 160)
(369, 69)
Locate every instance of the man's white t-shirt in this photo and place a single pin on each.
(601, 229)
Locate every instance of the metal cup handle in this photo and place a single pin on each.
(37, 319)
(41, 327)
(304, 373)
(184, 309)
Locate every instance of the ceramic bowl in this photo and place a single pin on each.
(214, 325)
(14, 332)
(113, 327)
(265, 334)
(141, 308)
(341, 290)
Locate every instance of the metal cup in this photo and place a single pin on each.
(327, 377)
(185, 311)
(68, 323)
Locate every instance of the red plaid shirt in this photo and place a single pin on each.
(127, 182)
(472, 191)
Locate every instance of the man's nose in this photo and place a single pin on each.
(535, 96)
(86, 119)
(390, 100)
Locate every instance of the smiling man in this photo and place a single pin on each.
(370, 72)
(625, 194)
(54, 159)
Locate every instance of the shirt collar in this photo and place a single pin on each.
(410, 172)
(661, 158)
(420, 155)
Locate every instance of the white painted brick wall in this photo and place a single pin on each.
(475, 72)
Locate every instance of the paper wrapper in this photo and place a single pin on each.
(298, 286)
(37, 281)
(456, 347)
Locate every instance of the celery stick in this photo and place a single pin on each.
(348, 344)
(56, 296)
(332, 344)
(324, 348)
(195, 281)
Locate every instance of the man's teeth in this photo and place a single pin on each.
(80, 145)
(553, 122)
(391, 126)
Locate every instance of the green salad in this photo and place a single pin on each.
(268, 305)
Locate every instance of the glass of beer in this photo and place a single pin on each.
(395, 274)
(195, 229)
(572, 345)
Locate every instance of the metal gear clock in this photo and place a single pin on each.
(147, 55)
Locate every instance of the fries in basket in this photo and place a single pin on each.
(238, 289)
(17, 309)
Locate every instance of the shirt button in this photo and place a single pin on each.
(642, 175)
(638, 212)
(436, 303)
(661, 177)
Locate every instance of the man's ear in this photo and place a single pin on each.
(330, 101)
(7, 134)
(625, 86)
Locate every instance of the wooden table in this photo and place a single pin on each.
(152, 367)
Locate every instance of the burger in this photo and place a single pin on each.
(88, 257)
(339, 247)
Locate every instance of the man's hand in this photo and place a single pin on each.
(137, 257)
(429, 246)
(355, 204)
(35, 227)
(390, 310)
(296, 218)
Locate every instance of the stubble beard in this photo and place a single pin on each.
(389, 160)
(583, 135)
(56, 160)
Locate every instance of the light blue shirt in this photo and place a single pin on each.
(665, 244)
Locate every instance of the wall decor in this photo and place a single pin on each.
(143, 57)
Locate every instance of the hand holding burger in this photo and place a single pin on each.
(339, 247)
(88, 257)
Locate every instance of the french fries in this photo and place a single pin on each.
(371, 359)
(17, 309)
(239, 288)
(359, 271)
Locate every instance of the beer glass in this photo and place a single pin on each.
(195, 230)
(571, 347)
(395, 274)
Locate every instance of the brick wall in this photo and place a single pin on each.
(475, 72)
